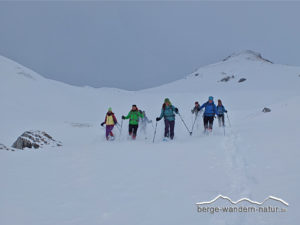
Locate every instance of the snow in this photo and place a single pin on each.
(91, 181)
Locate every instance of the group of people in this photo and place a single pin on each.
(211, 111)
(168, 112)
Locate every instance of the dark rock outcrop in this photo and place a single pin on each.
(35, 139)
(242, 80)
(227, 78)
(266, 110)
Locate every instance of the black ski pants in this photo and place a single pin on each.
(208, 121)
(169, 128)
(221, 120)
(133, 129)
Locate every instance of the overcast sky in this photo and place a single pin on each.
(135, 45)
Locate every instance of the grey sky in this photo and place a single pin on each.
(135, 45)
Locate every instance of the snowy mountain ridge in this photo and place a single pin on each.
(247, 55)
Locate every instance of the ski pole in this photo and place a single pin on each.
(228, 119)
(117, 125)
(185, 124)
(121, 129)
(154, 131)
(194, 123)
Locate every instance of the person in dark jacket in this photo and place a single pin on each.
(209, 113)
(195, 110)
(168, 113)
(220, 113)
(197, 113)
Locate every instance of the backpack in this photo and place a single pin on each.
(220, 109)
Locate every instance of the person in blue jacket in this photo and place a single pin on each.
(220, 113)
(168, 113)
(209, 113)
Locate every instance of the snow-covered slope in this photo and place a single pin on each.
(265, 82)
(91, 181)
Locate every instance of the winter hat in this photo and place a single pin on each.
(196, 103)
(109, 109)
(134, 106)
(210, 98)
(219, 101)
(167, 101)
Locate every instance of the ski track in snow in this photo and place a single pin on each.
(240, 179)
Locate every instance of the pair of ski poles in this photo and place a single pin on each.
(190, 132)
(223, 124)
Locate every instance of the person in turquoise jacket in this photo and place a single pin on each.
(168, 112)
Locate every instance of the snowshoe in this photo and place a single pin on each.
(112, 138)
(166, 139)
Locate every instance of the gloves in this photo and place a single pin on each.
(123, 117)
(226, 111)
(102, 124)
(176, 110)
(158, 119)
(192, 111)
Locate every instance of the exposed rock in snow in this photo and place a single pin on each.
(226, 79)
(35, 139)
(249, 55)
(266, 110)
(242, 80)
(3, 147)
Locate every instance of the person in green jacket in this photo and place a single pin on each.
(134, 116)
(168, 113)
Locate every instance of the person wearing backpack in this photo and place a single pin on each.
(134, 115)
(209, 113)
(168, 112)
(144, 122)
(195, 110)
(110, 121)
(220, 113)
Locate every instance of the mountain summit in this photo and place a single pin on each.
(248, 55)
